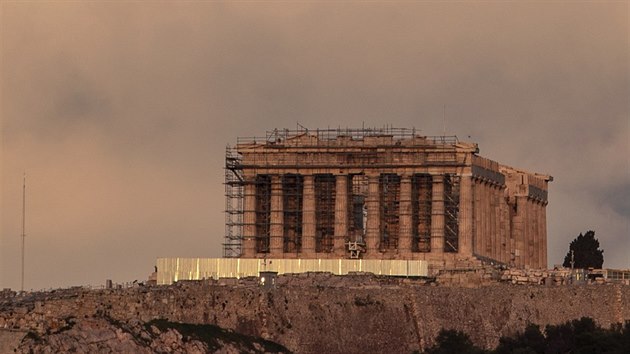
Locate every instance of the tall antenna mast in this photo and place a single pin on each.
(23, 225)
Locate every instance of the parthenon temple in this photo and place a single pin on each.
(387, 193)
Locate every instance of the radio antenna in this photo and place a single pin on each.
(23, 225)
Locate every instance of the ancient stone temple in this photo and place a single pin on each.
(386, 194)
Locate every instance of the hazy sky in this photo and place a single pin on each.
(119, 112)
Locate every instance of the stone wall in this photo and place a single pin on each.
(313, 313)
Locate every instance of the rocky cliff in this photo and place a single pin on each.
(311, 313)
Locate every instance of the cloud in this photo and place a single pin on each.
(120, 112)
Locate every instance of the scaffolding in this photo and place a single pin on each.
(252, 216)
(325, 136)
(451, 213)
(358, 225)
(263, 213)
(389, 187)
(325, 212)
(304, 194)
(421, 194)
(234, 196)
(292, 194)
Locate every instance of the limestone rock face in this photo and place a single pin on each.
(104, 335)
(306, 313)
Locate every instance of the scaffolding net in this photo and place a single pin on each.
(234, 187)
(292, 193)
(451, 212)
(325, 212)
(389, 186)
(263, 213)
(421, 194)
(357, 227)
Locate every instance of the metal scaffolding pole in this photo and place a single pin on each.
(451, 213)
(234, 186)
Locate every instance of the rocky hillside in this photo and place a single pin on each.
(311, 313)
(103, 334)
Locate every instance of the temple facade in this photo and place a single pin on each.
(381, 194)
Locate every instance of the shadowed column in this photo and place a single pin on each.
(308, 217)
(527, 230)
(535, 234)
(541, 232)
(505, 226)
(437, 215)
(277, 217)
(494, 236)
(249, 220)
(477, 249)
(498, 192)
(488, 219)
(519, 231)
(543, 235)
(465, 215)
(373, 216)
(341, 215)
(481, 206)
(404, 243)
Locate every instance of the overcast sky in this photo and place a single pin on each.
(119, 112)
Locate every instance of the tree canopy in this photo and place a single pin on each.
(586, 252)
(577, 336)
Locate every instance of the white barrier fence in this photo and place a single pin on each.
(170, 270)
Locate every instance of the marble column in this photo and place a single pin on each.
(437, 215)
(372, 234)
(492, 222)
(506, 225)
(497, 222)
(341, 215)
(530, 233)
(308, 217)
(529, 237)
(535, 235)
(523, 231)
(276, 243)
(504, 240)
(483, 218)
(466, 215)
(477, 249)
(404, 240)
(249, 219)
(543, 235)
(518, 232)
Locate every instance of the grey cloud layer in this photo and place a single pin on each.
(120, 112)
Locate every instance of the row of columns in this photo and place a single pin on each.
(533, 232)
(513, 233)
(372, 232)
(491, 234)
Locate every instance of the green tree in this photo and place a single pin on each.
(451, 341)
(581, 336)
(530, 341)
(586, 252)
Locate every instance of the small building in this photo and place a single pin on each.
(268, 279)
